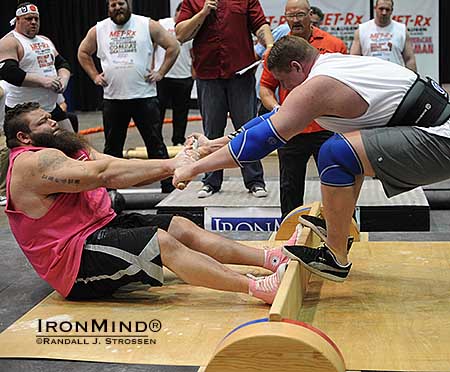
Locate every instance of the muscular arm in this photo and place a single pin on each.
(165, 40)
(264, 35)
(356, 45)
(186, 30)
(408, 54)
(11, 49)
(318, 97)
(49, 171)
(268, 98)
(86, 49)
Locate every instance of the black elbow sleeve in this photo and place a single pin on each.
(11, 72)
(60, 62)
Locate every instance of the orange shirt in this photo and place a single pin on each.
(325, 43)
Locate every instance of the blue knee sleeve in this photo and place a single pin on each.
(338, 162)
(259, 119)
(255, 143)
(251, 123)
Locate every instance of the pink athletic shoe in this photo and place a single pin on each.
(266, 288)
(273, 258)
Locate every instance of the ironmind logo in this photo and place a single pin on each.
(94, 326)
(245, 224)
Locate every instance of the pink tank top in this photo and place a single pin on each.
(54, 242)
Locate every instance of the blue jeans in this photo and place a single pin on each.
(237, 96)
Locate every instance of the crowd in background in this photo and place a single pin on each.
(148, 66)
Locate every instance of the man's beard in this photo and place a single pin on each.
(67, 142)
(121, 21)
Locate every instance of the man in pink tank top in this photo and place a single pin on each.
(61, 216)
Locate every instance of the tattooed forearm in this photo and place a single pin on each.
(264, 35)
(64, 181)
(51, 161)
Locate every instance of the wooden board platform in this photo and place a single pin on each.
(393, 313)
(193, 321)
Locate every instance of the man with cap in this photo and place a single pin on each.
(31, 65)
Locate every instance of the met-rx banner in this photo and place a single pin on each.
(422, 21)
(242, 219)
(341, 19)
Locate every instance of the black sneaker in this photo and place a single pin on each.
(319, 227)
(205, 192)
(316, 224)
(320, 261)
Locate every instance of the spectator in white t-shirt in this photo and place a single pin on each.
(176, 86)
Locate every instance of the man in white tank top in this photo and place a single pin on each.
(124, 44)
(384, 38)
(388, 124)
(31, 65)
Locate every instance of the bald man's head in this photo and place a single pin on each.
(293, 3)
(297, 14)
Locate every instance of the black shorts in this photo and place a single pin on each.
(124, 251)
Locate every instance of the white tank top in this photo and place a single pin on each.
(181, 69)
(125, 52)
(39, 58)
(380, 83)
(386, 43)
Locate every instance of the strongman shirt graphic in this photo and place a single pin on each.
(125, 52)
(383, 42)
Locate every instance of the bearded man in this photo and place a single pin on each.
(61, 216)
(124, 43)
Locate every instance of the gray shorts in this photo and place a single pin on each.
(406, 157)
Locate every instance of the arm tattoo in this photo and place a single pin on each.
(260, 34)
(50, 162)
(64, 181)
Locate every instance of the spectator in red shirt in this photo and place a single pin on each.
(222, 46)
(293, 157)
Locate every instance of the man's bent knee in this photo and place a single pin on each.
(338, 162)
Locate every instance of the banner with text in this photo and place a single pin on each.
(342, 19)
(242, 219)
(422, 21)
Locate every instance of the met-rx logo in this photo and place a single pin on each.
(245, 224)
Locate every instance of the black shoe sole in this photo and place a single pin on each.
(314, 228)
(318, 231)
(313, 270)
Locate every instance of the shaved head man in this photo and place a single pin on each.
(384, 38)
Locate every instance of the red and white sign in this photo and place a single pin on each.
(422, 20)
